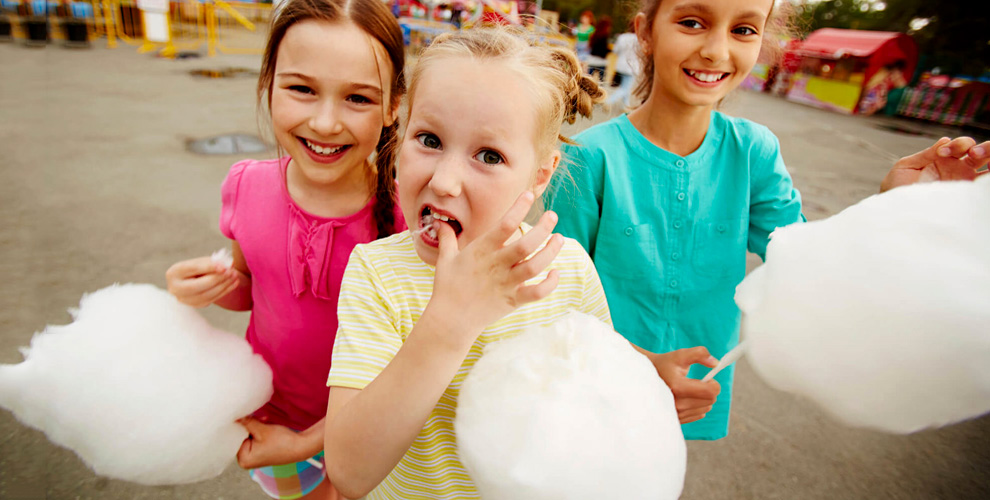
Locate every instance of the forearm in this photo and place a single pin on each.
(367, 436)
(239, 299)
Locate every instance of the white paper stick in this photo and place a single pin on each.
(726, 360)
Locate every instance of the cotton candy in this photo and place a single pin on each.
(569, 411)
(881, 313)
(141, 387)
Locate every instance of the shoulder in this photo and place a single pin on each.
(390, 256)
(592, 143)
(251, 171)
(572, 256)
(746, 137)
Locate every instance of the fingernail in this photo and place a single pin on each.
(552, 216)
(978, 151)
(944, 151)
(712, 359)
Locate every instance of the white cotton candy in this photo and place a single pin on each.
(141, 387)
(223, 257)
(569, 411)
(881, 313)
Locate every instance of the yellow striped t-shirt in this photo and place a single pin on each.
(385, 288)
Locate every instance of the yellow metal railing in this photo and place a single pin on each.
(228, 27)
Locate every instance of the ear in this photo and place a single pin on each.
(642, 33)
(393, 114)
(545, 172)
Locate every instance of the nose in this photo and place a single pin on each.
(716, 46)
(326, 120)
(446, 179)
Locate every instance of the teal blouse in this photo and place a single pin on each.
(669, 234)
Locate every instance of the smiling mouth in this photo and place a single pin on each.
(324, 150)
(705, 76)
(427, 217)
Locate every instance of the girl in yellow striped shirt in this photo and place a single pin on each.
(416, 308)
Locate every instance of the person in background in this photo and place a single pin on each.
(599, 49)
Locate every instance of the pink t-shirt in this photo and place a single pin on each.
(296, 261)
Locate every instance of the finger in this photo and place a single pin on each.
(529, 242)
(690, 404)
(528, 269)
(200, 290)
(532, 293)
(978, 155)
(687, 418)
(696, 389)
(218, 292)
(496, 238)
(194, 267)
(695, 355)
(924, 157)
(956, 148)
(447, 246)
(253, 426)
(244, 454)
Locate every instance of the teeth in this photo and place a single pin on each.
(706, 77)
(320, 150)
(441, 217)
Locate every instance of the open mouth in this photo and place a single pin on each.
(324, 150)
(706, 76)
(428, 217)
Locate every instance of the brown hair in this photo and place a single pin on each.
(779, 23)
(561, 89)
(378, 22)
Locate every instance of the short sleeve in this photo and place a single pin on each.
(367, 336)
(593, 300)
(576, 195)
(774, 202)
(228, 197)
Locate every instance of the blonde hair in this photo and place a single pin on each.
(561, 89)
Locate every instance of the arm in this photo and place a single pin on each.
(947, 159)
(269, 444)
(239, 298)
(774, 202)
(369, 430)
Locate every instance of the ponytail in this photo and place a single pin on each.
(385, 180)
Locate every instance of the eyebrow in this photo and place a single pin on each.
(360, 86)
(706, 10)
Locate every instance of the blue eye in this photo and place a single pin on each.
(489, 157)
(429, 140)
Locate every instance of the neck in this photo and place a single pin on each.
(339, 197)
(677, 127)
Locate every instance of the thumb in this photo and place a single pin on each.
(696, 355)
(924, 157)
(253, 425)
(448, 241)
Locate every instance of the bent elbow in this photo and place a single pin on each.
(346, 482)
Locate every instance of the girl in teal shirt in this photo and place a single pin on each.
(669, 197)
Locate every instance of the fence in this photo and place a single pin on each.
(968, 104)
(220, 26)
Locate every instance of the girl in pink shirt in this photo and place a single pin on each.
(332, 79)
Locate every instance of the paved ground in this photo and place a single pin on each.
(96, 187)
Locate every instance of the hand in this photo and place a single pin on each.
(483, 282)
(946, 160)
(200, 282)
(692, 398)
(269, 444)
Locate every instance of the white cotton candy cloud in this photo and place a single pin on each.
(141, 387)
(881, 313)
(569, 411)
(223, 257)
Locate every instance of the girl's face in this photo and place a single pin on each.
(469, 150)
(703, 49)
(327, 100)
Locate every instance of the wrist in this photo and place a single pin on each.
(446, 330)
